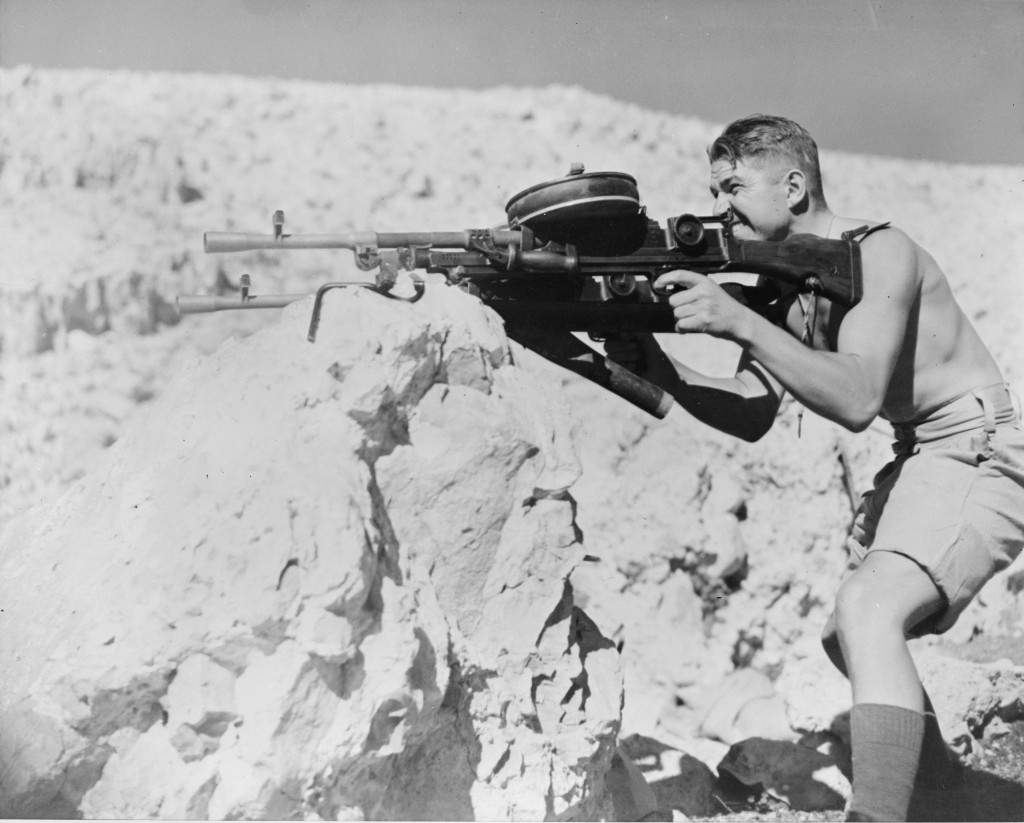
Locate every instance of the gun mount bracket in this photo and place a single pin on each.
(367, 257)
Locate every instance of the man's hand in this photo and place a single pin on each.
(701, 305)
(627, 350)
(638, 352)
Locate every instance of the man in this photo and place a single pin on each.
(944, 517)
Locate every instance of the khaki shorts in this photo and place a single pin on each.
(952, 500)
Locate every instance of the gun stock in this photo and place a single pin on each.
(829, 267)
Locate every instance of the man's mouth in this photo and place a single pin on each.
(730, 221)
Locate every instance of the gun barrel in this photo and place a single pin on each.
(203, 303)
(229, 241)
(232, 241)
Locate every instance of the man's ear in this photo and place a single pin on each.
(796, 190)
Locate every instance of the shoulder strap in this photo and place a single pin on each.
(863, 231)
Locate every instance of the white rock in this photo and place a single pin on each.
(335, 577)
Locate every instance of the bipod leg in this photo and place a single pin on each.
(419, 287)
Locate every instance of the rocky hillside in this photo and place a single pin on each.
(303, 612)
(712, 562)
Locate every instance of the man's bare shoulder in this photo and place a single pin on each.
(869, 232)
(889, 257)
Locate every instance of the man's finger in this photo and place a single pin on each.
(678, 279)
(684, 312)
(690, 323)
(684, 297)
(689, 319)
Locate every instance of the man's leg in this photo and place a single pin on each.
(938, 788)
(875, 607)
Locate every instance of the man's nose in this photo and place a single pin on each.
(722, 209)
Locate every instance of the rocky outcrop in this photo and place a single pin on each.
(319, 580)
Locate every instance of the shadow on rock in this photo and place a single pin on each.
(679, 781)
(985, 796)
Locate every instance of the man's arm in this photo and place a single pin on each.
(847, 385)
(744, 405)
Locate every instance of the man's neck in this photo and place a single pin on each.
(818, 221)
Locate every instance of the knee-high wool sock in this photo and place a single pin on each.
(886, 749)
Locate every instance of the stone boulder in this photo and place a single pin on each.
(805, 778)
(318, 581)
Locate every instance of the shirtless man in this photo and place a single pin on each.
(944, 517)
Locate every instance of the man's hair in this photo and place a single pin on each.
(772, 141)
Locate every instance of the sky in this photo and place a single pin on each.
(920, 79)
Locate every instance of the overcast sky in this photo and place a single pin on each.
(932, 79)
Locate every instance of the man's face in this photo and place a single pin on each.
(754, 195)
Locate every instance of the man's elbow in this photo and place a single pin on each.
(758, 417)
(752, 426)
(856, 426)
(856, 418)
(751, 433)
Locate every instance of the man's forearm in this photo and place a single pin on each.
(831, 384)
(743, 406)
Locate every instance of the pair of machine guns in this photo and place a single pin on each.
(578, 254)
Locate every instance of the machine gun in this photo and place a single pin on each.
(578, 254)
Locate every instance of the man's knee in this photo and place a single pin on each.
(862, 607)
(889, 592)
